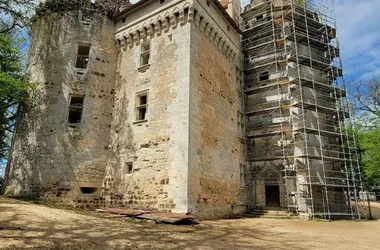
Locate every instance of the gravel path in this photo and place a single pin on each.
(26, 225)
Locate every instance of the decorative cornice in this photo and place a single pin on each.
(170, 19)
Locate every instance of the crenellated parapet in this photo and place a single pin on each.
(129, 36)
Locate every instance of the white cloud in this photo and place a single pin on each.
(359, 33)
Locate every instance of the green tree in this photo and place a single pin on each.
(370, 144)
(15, 14)
(366, 97)
(14, 87)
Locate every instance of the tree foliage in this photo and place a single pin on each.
(366, 97)
(14, 87)
(15, 14)
(370, 144)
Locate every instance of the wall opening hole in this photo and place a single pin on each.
(264, 76)
(88, 190)
(129, 167)
(75, 110)
(82, 56)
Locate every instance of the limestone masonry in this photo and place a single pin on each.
(187, 106)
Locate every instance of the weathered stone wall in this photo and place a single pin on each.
(216, 152)
(158, 146)
(50, 158)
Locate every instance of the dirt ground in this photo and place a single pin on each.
(25, 225)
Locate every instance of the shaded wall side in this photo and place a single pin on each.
(216, 153)
(50, 158)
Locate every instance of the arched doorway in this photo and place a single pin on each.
(270, 178)
(272, 191)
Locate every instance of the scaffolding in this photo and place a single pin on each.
(298, 121)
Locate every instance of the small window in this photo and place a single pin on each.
(162, 1)
(170, 38)
(260, 17)
(82, 57)
(208, 3)
(264, 76)
(141, 106)
(75, 110)
(129, 167)
(123, 20)
(145, 53)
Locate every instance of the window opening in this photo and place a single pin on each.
(82, 57)
(75, 110)
(264, 76)
(129, 166)
(145, 53)
(141, 106)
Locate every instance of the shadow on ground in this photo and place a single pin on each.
(29, 226)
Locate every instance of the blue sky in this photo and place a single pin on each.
(359, 33)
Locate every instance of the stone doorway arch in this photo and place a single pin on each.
(269, 187)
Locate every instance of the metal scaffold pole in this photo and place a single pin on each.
(297, 114)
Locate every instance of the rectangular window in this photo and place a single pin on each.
(129, 167)
(75, 110)
(141, 106)
(82, 56)
(240, 125)
(145, 53)
(264, 76)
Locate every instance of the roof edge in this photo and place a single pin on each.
(216, 2)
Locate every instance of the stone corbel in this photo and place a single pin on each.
(117, 45)
(136, 37)
(229, 52)
(213, 33)
(142, 33)
(173, 20)
(221, 43)
(217, 39)
(181, 17)
(165, 24)
(203, 24)
(197, 19)
(129, 40)
(225, 48)
(149, 30)
(190, 15)
(208, 29)
(157, 27)
(123, 44)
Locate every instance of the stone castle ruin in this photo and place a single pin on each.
(187, 107)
